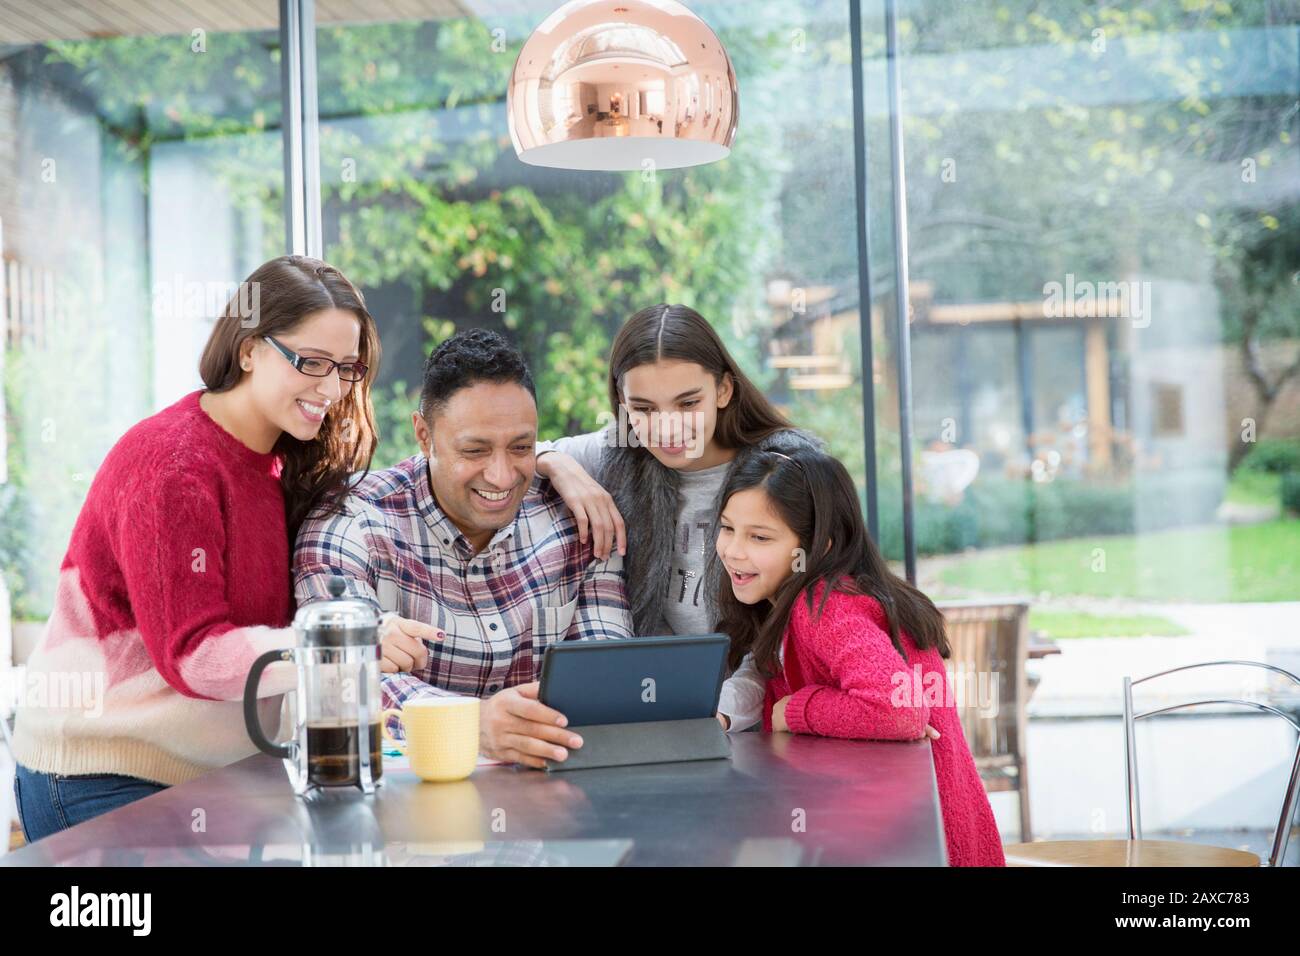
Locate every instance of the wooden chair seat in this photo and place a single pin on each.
(997, 764)
(992, 639)
(1000, 783)
(1124, 853)
(987, 762)
(1000, 773)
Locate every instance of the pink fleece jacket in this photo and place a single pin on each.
(845, 679)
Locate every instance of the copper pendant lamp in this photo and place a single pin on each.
(622, 85)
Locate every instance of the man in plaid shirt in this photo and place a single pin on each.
(475, 560)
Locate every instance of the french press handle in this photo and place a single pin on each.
(252, 720)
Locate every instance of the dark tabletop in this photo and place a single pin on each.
(780, 800)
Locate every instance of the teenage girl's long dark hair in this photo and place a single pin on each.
(679, 332)
(814, 495)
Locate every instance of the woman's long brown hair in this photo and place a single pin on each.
(679, 332)
(815, 496)
(285, 291)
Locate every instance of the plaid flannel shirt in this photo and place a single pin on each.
(534, 584)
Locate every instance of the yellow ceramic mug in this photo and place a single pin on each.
(441, 736)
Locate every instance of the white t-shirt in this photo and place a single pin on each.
(743, 693)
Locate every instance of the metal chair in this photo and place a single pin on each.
(992, 638)
(1135, 851)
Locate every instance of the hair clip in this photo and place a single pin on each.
(793, 461)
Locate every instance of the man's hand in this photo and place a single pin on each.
(514, 726)
(403, 643)
(724, 720)
(592, 506)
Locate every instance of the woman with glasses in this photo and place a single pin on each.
(177, 572)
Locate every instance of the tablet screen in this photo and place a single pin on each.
(639, 679)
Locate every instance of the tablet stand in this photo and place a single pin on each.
(650, 741)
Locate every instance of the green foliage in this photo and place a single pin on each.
(1103, 183)
(151, 90)
(1291, 491)
(393, 406)
(57, 436)
(16, 537)
(996, 512)
(1273, 456)
(1257, 255)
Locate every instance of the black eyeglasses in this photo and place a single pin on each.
(319, 367)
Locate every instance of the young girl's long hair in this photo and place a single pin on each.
(679, 332)
(286, 290)
(814, 495)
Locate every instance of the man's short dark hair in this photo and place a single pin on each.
(467, 358)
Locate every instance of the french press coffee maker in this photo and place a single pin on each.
(337, 739)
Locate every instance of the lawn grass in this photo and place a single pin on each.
(1056, 624)
(1256, 562)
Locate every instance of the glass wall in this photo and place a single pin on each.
(1103, 232)
(1104, 207)
(427, 207)
(1105, 228)
(140, 180)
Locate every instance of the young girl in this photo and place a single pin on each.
(825, 637)
(177, 572)
(683, 415)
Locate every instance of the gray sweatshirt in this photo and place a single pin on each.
(684, 607)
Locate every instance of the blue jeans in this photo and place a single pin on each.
(50, 802)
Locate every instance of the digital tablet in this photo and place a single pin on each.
(634, 680)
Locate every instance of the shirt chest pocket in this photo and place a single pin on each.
(551, 622)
